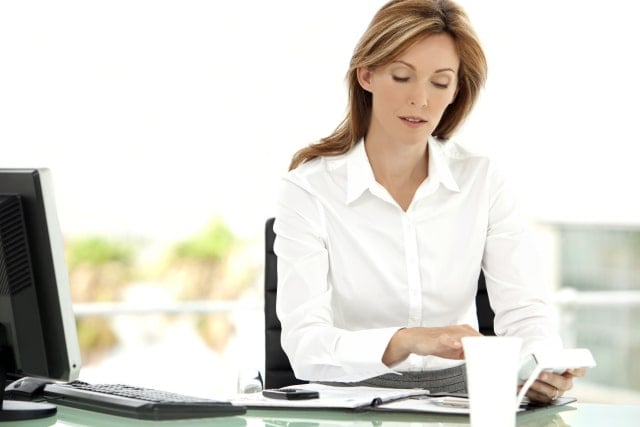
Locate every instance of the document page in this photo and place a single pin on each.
(375, 399)
(330, 397)
(453, 405)
(441, 405)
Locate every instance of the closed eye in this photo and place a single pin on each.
(401, 79)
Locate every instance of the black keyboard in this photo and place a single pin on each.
(137, 402)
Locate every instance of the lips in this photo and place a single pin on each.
(413, 120)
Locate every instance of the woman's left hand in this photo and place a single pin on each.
(549, 386)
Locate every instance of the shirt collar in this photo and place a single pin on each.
(360, 175)
(439, 168)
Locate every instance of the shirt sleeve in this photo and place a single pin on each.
(510, 263)
(317, 350)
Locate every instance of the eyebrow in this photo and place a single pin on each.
(440, 70)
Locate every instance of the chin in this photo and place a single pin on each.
(416, 140)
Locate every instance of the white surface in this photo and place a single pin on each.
(156, 115)
(492, 368)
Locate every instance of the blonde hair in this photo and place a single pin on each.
(394, 28)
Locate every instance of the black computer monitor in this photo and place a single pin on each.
(37, 326)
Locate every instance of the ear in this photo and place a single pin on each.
(364, 78)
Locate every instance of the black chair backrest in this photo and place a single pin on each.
(278, 371)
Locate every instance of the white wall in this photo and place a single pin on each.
(156, 115)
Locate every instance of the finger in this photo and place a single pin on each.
(546, 391)
(451, 342)
(450, 347)
(562, 382)
(537, 396)
(467, 330)
(576, 372)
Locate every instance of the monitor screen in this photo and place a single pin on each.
(37, 326)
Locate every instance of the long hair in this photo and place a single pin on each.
(394, 28)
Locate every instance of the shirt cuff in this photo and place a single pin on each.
(360, 353)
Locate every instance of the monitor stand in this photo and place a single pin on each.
(14, 410)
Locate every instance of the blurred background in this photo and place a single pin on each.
(167, 125)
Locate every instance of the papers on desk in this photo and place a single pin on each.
(452, 405)
(372, 399)
(330, 397)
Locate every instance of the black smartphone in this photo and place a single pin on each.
(290, 393)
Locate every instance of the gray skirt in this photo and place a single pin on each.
(450, 380)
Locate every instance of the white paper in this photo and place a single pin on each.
(330, 397)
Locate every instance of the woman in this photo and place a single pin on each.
(382, 227)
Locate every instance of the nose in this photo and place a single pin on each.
(418, 97)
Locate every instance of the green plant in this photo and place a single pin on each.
(213, 244)
(96, 251)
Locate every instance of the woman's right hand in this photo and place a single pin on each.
(445, 341)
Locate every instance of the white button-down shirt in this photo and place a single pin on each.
(353, 267)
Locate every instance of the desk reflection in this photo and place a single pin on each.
(80, 418)
(574, 415)
(550, 417)
(40, 422)
(554, 420)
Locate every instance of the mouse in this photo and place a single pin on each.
(26, 388)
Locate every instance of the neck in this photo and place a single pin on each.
(397, 164)
(400, 169)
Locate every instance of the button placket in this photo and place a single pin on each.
(413, 273)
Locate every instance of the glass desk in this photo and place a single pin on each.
(574, 415)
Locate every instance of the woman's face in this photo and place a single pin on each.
(411, 93)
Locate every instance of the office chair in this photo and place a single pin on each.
(278, 371)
